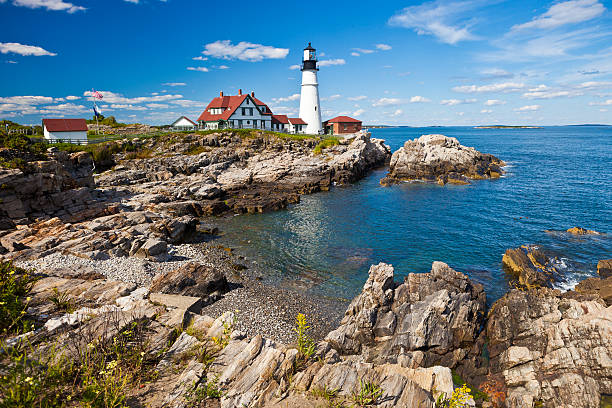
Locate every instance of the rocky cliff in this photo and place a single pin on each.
(441, 159)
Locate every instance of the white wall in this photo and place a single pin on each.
(310, 106)
(81, 135)
(184, 123)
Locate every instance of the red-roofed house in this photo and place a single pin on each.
(242, 111)
(70, 130)
(341, 125)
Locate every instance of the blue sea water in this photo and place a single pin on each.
(557, 178)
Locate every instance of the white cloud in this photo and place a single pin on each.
(387, 102)
(72, 98)
(127, 107)
(200, 58)
(594, 85)
(27, 100)
(493, 102)
(22, 49)
(244, 51)
(54, 5)
(355, 54)
(605, 103)
(111, 97)
(295, 67)
(603, 110)
(329, 62)
(357, 98)
(223, 67)
(550, 94)
(200, 69)
(363, 50)
(528, 108)
(11, 62)
(332, 97)
(419, 99)
(359, 112)
(293, 97)
(383, 47)
(175, 84)
(496, 73)
(567, 12)
(486, 111)
(500, 87)
(437, 18)
(453, 102)
(397, 112)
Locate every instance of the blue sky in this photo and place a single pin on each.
(390, 62)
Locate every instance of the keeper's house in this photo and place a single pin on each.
(341, 125)
(69, 130)
(245, 111)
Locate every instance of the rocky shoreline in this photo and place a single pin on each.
(130, 253)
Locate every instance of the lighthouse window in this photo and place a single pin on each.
(315, 108)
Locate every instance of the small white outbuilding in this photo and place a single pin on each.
(69, 130)
(184, 123)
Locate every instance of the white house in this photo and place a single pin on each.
(184, 123)
(69, 130)
(236, 112)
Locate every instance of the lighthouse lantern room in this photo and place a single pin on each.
(310, 106)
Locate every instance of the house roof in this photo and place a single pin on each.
(297, 121)
(283, 119)
(343, 119)
(186, 118)
(230, 103)
(65, 125)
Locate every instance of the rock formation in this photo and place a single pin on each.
(552, 349)
(529, 266)
(604, 268)
(441, 159)
(582, 231)
(430, 319)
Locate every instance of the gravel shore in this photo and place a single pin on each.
(260, 308)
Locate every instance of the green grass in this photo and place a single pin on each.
(325, 143)
(15, 285)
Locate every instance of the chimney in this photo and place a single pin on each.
(240, 92)
(252, 94)
(221, 94)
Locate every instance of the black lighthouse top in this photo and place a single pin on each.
(309, 62)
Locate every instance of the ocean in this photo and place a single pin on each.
(556, 178)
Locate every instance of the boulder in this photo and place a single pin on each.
(582, 231)
(529, 266)
(551, 349)
(604, 268)
(430, 319)
(152, 248)
(597, 286)
(442, 159)
(192, 279)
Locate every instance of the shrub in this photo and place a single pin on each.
(368, 393)
(305, 344)
(15, 284)
(459, 398)
(325, 143)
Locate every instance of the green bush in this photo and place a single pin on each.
(325, 143)
(15, 285)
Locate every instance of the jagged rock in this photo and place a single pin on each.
(442, 159)
(530, 266)
(188, 303)
(582, 231)
(192, 279)
(430, 319)
(152, 248)
(604, 268)
(552, 349)
(599, 286)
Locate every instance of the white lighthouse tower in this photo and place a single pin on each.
(310, 107)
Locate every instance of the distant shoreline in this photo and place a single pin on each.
(507, 127)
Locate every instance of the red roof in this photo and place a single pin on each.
(282, 119)
(343, 119)
(297, 121)
(230, 103)
(65, 125)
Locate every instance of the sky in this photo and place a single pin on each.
(472, 62)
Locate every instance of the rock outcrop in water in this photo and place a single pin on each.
(441, 159)
(582, 231)
(529, 266)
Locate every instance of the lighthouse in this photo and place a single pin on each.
(310, 107)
